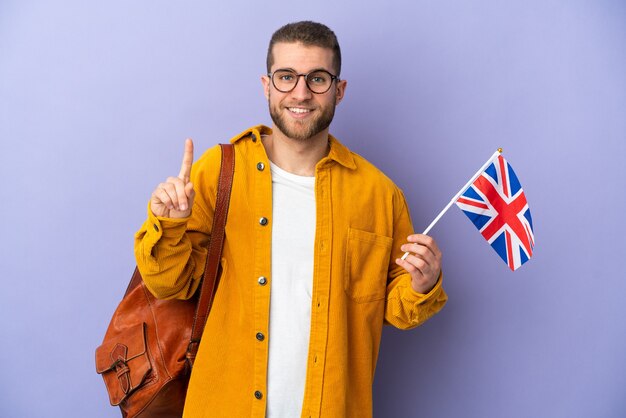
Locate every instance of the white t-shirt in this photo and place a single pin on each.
(293, 237)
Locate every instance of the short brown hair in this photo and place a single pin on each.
(310, 34)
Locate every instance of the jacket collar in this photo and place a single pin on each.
(338, 152)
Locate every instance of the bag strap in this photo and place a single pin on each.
(211, 275)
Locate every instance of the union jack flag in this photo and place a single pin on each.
(497, 206)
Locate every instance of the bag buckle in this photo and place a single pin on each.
(118, 355)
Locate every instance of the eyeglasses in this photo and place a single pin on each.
(318, 81)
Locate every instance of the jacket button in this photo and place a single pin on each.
(260, 166)
(258, 394)
(263, 221)
(260, 336)
(156, 227)
(262, 281)
(253, 136)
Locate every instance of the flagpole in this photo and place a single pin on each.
(454, 199)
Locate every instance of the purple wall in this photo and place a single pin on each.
(96, 100)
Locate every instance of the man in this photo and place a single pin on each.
(310, 268)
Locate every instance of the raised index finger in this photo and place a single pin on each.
(185, 168)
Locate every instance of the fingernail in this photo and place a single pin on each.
(183, 207)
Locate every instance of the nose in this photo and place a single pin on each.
(301, 90)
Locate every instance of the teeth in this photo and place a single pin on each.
(298, 110)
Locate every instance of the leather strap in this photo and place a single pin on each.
(211, 277)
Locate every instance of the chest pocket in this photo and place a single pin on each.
(366, 265)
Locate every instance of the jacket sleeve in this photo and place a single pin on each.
(171, 253)
(404, 307)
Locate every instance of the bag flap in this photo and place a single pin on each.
(123, 362)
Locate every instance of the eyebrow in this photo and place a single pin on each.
(310, 71)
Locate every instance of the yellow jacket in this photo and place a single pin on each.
(361, 221)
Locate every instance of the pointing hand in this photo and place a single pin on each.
(174, 197)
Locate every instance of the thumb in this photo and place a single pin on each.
(190, 192)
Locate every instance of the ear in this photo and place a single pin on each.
(265, 80)
(340, 91)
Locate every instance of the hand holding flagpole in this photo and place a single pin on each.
(454, 199)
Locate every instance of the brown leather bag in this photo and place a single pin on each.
(149, 348)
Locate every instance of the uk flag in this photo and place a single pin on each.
(497, 206)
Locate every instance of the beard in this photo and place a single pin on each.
(301, 130)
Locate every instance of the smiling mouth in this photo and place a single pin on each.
(298, 110)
